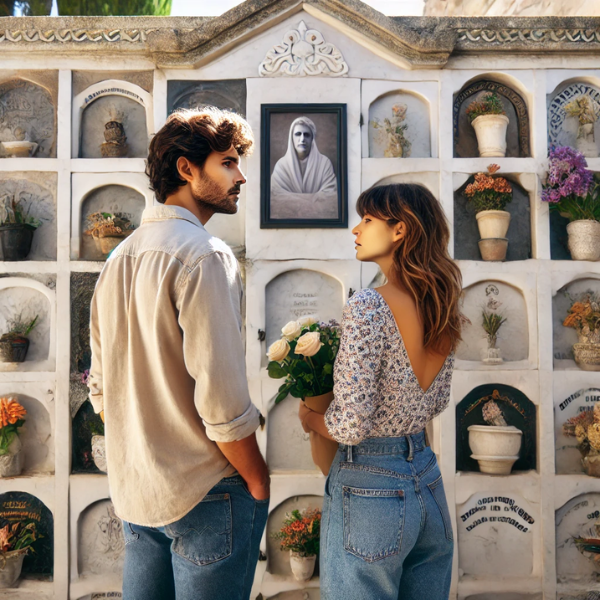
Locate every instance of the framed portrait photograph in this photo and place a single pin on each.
(304, 170)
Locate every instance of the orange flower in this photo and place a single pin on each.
(493, 168)
(10, 412)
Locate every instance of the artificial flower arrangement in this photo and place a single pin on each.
(488, 118)
(491, 323)
(486, 103)
(108, 229)
(584, 317)
(12, 418)
(585, 428)
(16, 540)
(14, 344)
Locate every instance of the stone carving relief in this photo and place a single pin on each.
(75, 35)
(27, 107)
(303, 52)
(537, 36)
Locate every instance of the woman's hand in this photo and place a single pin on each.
(303, 413)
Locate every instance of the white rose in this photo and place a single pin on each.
(278, 350)
(309, 344)
(307, 321)
(291, 331)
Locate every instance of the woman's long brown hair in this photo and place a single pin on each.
(422, 263)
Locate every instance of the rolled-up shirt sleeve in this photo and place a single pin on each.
(209, 306)
(95, 386)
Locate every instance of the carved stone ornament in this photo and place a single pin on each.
(303, 52)
(508, 36)
(72, 35)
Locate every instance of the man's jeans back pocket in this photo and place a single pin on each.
(373, 522)
(203, 536)
(437, 491)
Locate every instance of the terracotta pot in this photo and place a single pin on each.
(13, 350)
(108, 243)
(493, 223)
(496, 449)
(11, 464)
(20, 149)
(323, 450)
(584, 239)
(591, 465)
(493, 249)
(491, 134)
(11, 564)
(15, 240)
(587, 356)
(303, 567)
(99, 452)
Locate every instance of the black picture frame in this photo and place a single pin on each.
(267, 220)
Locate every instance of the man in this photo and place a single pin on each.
(168, 373)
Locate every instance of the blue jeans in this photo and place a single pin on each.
(386, 531)
(210, 553)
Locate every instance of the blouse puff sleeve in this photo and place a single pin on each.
(348, 418)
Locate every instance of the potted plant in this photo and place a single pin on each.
(16, 540)
(12, 417)
(16, 228)
(585, 427)
(489, 120)
(584, 317)
(305, 356)
(491, 325)
(15, 342)
(495, 446)
(572, 191)
(489, 195)
(300, 535)
(108, 230)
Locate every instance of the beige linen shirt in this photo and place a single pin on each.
(168, 365)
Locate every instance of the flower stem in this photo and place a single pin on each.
(310, 362)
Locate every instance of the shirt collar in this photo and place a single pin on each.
(162, 212)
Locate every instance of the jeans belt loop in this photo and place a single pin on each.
(349, 453)
(410, 448)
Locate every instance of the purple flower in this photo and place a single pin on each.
(567, 175)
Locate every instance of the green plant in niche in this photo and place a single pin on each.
(16, 213)
(487, 103)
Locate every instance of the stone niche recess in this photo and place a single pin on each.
(490, 526)
(507, 302)
(515, 107)
(399, 126)
(28, 113)
(517, 410)
(101, 545)
(466, 231)
(278, 560)
(229, 94)
(578, 518)
(564, 337)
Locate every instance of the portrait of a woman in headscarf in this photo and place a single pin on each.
(303, 183)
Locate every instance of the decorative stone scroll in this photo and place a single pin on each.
(75, 35)
(538, 36)
(303, 52)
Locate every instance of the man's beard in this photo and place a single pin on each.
(209, 194)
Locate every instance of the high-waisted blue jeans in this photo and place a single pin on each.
(386, 532)
(209, 554)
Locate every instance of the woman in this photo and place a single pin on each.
(386, 531)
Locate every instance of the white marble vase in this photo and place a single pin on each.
(491, 134)
(584, 239)
(303, 567)
(11, 464)
(11, 564)
(496, 449)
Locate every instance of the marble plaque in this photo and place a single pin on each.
(577, 518)
(493, 530)
(502, 299)
(568, 457)
(101, 541)
(229, 94)
(301, 293)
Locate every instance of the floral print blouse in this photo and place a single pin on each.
(376, 393)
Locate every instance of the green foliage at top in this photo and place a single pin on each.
(492, 322)
(489, 104)
(31, 8)
(107, 8)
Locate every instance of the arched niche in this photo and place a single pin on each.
(517, 410)
(28, 106)
(278, 560)
(85, 424)
(100, 541)
(399, 110)
(107, 101)
(502, 299)
(515, 106)
(466, 231)
(21, 506)
(427, 179)
(300, 293)
(108, 198)
(577, 518)
(228, 94)
(564, 125)
(26, 298)
(288, 446)
(304, 594)
(497, 528)
(564, 337)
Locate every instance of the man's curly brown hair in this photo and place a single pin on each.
(193, 134)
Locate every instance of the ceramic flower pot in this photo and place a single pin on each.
(11, 564)
(303, 567)
(13, 349)
(322, 449)
(15, 241)
(493, 223)
(11, 464)
(591, 465)
(108, 243)
(493, 249)
(587, 356)
(99, 452)
(496, 449)
(20, 149)
(584, 239)
(491, 134)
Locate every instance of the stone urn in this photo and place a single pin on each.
(19, 149)
(493, 223)
(11, 564)
(115, 145)
(584, 239)
(13, 349)
(99, 452)
(491, 134)
(493, 249)
(108, 243)
(15, 240)
(495, 448)
(591, 465)
(11, 464)
(303, 567)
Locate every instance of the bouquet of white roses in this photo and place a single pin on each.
(304, 356)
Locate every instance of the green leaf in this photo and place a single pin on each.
(282, 395)
(275, 370)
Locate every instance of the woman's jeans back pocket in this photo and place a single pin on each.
(373, 522)
(437, 491)
(203, 536)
